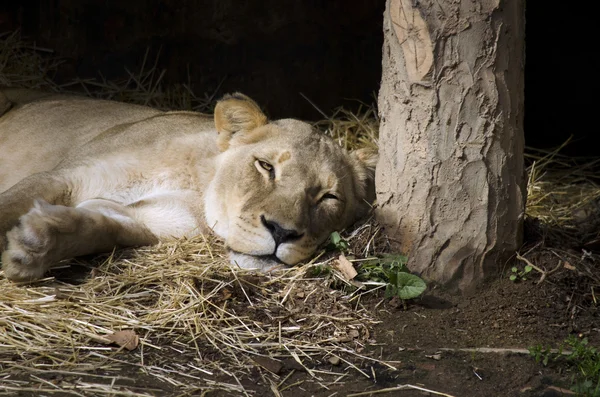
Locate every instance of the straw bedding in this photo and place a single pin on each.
(182, 298)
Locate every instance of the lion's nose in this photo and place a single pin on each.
(280, 235)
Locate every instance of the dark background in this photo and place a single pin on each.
(273, 50)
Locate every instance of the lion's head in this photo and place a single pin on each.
(281, 187)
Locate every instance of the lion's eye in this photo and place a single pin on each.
(266, 167)
(328, 196)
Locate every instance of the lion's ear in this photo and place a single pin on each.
(364, 163)
(235, 113)
(368, 157)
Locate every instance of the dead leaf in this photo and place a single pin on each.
(126, 338)
(226, 294)
(334, 360)
(395, 302)
(268, 363)
(345, 267)
(436, 356)
(426, 367)
(354, 333)
(289, 363)
(568, 266)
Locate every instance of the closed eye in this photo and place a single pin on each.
(328, 196)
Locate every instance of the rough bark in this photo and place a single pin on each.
(450, 179)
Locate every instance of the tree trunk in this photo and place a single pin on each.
(450, 179)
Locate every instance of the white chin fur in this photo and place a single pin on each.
(253, 262)
(291, 254)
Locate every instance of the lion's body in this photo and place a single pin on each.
(79, 176)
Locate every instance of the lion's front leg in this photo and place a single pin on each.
(49, 233)
(18, 200)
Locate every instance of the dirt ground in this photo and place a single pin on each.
(423, 341)
(418, 345)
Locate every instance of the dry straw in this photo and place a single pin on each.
(198, 319)
(563, 194)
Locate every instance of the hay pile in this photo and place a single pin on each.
(563, 196)
(26, 65)
(144, 87)
(198, 320)
(562, 226)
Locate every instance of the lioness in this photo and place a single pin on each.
(81, 176)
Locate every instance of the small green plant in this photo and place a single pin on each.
(540, 354)
(337, 242)
(320, 271)
(405, 286)
(392, 270)
(587, 360)
(519, 275)
(579, 355)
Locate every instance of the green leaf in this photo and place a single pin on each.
(514, 269)
(513, 277)
(336, 242)
(528, 268)
(394, 263)
(390, 291)
(409, 286)
(393, 279)
(335, 238)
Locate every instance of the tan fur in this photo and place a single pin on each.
(80, 176)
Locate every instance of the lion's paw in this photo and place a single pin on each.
(32, 244)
